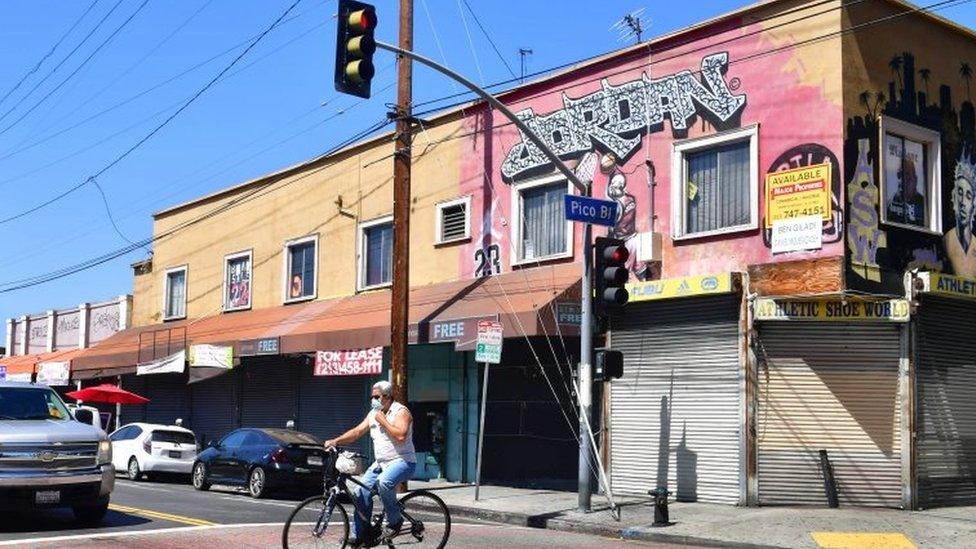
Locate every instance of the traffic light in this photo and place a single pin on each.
(611, 274)
(607, 364)
(354, 48)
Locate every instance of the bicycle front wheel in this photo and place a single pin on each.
(426, 521)
(316, 523)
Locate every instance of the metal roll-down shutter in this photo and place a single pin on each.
(214, 406)
(675, 416)
(331, 405)
(168, 396)
(945, 408)
(269, 392)
(830, 386)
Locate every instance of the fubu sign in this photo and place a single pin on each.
(354, 362)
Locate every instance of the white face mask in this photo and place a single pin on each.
(376, 403)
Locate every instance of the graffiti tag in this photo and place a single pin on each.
(864, 237)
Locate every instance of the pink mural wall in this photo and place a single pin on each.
(616, 121)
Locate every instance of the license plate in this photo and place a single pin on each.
(52, 496)
(315, 460)
(175, 455)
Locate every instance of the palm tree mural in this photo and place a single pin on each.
(966, 72)
(879, 100)
(895, 66)
(925, 74)
(865, 98)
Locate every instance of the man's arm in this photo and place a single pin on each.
(350, 436)
(399, 427)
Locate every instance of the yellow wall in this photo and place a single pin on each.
(300, 204)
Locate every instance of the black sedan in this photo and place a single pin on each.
(262, 460)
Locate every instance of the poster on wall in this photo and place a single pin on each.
(798, 193)
(53, 373)
(904, 181)
(239, 283)
(353, 362)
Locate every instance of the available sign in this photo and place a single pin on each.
(797, 234)
(355, 362)
(892, 310)
(53, 373)
(174, 363)
(797, 193)
(489, 346)
(591, 210)
(680, 287)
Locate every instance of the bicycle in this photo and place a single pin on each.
(322, 520)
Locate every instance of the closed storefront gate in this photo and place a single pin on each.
(168, 397)
(675, 415)
(829, 386)
(330, 405)
(215, 406)
(945, 444)
(269, 391)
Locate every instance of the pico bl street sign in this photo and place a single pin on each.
(591, 210)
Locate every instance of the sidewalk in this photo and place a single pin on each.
(705, 524)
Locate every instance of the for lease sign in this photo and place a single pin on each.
(352, 362)
(797, 193)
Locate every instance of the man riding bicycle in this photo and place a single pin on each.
(390, 426)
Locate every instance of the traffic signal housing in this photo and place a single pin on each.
(607, 364)
(610, 275)
(354, 48)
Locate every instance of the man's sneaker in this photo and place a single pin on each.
(391, 530)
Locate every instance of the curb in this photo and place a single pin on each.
(604, 530)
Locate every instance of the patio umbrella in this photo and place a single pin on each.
(107, 393)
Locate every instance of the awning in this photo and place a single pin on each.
(528, 302)
(27, 364)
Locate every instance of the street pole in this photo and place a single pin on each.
(400, 308)
(481, 435)
(585, 368)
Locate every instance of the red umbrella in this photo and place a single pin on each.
(108, 393)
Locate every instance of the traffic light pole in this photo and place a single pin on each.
(587, 440)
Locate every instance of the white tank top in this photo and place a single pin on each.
(384, 446)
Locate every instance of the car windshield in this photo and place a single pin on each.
(17, 403)
(173, 436)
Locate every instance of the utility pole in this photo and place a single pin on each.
(585, 375)
(400, 310)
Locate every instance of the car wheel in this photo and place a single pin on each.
(199, 476)
(91, 514)
(132, 471)
(257, 483)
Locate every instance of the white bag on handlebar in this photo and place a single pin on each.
(350, 463)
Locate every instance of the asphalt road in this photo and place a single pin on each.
(172, 514)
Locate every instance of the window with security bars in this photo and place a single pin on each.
(453, 221)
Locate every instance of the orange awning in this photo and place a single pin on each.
(27, 364)
(523, 300)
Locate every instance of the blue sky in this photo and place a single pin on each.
(265, 114)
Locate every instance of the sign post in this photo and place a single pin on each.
(488, 351)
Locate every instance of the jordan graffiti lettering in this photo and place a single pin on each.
(614, 117)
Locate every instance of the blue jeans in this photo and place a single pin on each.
(385, 477)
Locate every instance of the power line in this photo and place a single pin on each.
(155, 130)
(63, 60)
(104, 43)
(49, 53)
(488, 36)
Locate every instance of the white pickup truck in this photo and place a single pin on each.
(49, 457)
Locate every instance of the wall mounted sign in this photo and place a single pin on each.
(53, 373)
(212, 356)
(262, 346)
(948, 285)
(892, 310)
(680, 287)
(797, 234)
(797, 193)
(569, 314)
(353, 362)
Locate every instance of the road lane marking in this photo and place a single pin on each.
(144, 487)
(149, 513)
(862, 540)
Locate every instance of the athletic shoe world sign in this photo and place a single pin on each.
(615, 117)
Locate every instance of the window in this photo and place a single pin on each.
(540, 227)
(237, 281)
(715, 182)
(18, 403)
(234, 439)
(453, 220)
(910, 180)
(175, 294)
(177, 437)
(257, 438)
(301, 264)
(375, 253)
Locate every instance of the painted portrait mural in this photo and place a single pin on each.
(910, 189)
(616, 124)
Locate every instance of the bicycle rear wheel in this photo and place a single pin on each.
(313, 524)
(426, 521)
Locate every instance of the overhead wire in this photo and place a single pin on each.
(49, 53)
(155, 130)
(474, 52)
(488, 36)
(84, 63)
